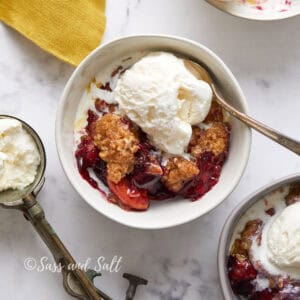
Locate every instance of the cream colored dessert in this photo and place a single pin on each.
(278, 250)
(160, 95)
(283, 238)
(19, 156)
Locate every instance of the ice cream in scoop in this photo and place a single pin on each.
(279, 248)
(283, 238)
(19, 156)
(161, 96)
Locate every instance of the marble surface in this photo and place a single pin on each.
(180, 263)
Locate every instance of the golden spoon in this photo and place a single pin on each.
(287, 142)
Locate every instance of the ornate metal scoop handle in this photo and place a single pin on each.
(85, 288)
(77, 283)
(273, 134)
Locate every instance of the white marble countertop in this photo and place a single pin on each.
(180, 263)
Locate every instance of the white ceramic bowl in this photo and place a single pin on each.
(161, 214)
(239, 9)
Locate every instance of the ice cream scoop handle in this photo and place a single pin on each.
(35, 214)
(273, 134)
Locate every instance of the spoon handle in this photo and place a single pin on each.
(273, 134)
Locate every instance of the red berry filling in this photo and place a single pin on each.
(144, 177)
(210, 168)
(144, 182)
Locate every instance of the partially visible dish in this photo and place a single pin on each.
(259, 9)
(259, 249)
(150, 131)
(272, 5)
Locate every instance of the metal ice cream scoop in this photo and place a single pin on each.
(76, 282)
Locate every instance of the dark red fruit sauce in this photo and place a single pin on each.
(87, 156)
(142, 177)
(242, 275)
(210, 168)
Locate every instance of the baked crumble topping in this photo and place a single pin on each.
(215, 113)
(116, 151)
(242, 245)
(293, 195)
(215, 139)
(177, 172)
(249, 278)
(117, 145)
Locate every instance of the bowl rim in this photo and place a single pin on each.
(232, 220)
(59, 120)
(283, 16)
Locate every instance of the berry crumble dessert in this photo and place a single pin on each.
(150, 130)
(264, 259)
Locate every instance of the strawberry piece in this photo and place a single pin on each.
(241, 273)
(87, 154)
(130, 197)
(241, 270)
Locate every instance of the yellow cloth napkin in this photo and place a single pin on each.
(69, 29)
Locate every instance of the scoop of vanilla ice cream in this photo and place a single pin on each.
(19, 156)
(161, 96)
(283, 238)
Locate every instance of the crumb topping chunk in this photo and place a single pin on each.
(241, 247)
(177, 172)
(117, 145)
(215, 139)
